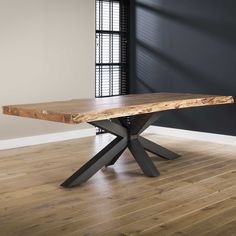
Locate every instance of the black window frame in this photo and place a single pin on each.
(123, 64)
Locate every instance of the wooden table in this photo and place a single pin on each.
(126, 117)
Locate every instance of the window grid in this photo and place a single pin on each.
(111, 47)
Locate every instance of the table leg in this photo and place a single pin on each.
(157, 149)
(96, 163)
(143, 160)
(113, 161)
(128, 135)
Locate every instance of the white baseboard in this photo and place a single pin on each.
(68, 135)
(201, 136)
(46, 138)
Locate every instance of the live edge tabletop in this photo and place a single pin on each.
(87, 110)
(126, 117)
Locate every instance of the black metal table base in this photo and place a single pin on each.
(127, 130)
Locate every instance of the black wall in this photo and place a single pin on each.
(186, 46)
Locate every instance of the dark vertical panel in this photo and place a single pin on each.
(187, 46)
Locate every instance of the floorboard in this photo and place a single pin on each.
(195, 194)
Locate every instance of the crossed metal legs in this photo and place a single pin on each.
(128, 132)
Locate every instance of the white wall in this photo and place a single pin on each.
(47, 53)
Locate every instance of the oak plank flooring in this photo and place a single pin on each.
(217, 219)
(225, 229)
(195, 190)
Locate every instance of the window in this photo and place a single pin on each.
(112, 47)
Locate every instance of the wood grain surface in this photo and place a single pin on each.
(194, 196)
(87, 110)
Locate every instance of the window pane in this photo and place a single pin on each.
(116, 16)
(108, 83)
(107, 15)
(107, 48)
(111, 47)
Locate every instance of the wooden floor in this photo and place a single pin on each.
(195, 194)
